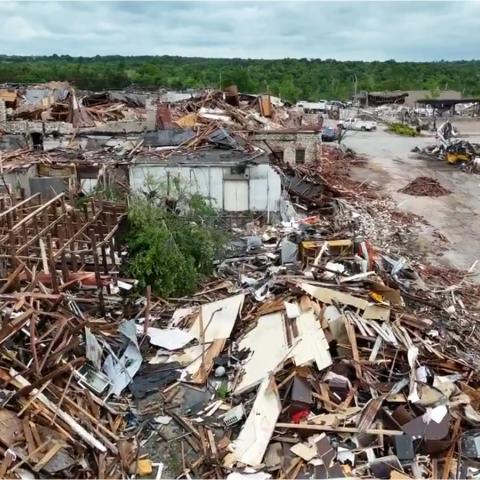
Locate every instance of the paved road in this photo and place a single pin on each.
(392, 166)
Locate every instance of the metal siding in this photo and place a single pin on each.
(235, 195)
(259, 188)
(20, 178)
(262, 192)
(216, 186)
(48, 187)
(207, 181)
(274, 190)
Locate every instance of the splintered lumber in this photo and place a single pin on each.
(329, 428)
(15, 325)
(20, 382)
(47, 457)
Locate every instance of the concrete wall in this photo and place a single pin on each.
(12, 142)
(121, 126)
(151, 110)
(63, 128)
(212, 182)
(20, 179)
(89, 142)
(3, 112)
(289, 142)
(18, 127)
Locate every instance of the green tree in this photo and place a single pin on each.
(288, 90)
(291, 78)
(172, 240)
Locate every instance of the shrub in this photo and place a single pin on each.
(402, 129)
(172, 241)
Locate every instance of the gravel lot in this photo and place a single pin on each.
(392, 165)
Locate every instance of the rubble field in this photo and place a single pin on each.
(324, 346)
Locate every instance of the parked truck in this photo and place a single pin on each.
(358, 124)
(313, 107)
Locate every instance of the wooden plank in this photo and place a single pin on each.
(43, 208)
(40, 234)
(327, 428)
(47, 457)
(353, 342)
(51, 265)
(211, 440)
(15, 325)
(28, 436)
(19, 381)
(98, 278)
(33, 345)
(7, 461)
(17, 206)
(12, 278)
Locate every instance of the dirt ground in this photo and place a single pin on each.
(392, 165)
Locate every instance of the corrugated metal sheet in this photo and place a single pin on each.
(173, 97)
(260, 192)
(48, 187)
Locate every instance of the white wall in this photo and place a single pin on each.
(265, 189)
(19, 178)
(263, 193)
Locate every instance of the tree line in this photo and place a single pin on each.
(291, 79)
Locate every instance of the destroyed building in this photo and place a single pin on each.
(48, 116)
(129, 137)
(294, 146)
(231, 181)
(375, 99)
(408, 98)
(324, 346)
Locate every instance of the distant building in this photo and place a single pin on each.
(408, 98)
(375, 99)
(415, 95)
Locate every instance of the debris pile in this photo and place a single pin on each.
(246, 112)
(457, 152)
(322, 348)
(60, 102)
(315, 351)
(60, 309)
(425, 187)
(318, 354)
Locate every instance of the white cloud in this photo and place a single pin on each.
(402, 30)
(23, 29)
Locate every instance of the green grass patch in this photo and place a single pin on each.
(402, 129)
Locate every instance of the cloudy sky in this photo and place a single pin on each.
(402, 30)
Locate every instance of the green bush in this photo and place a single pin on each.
(402, 129)
(172, 240)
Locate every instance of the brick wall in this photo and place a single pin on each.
(289, 142)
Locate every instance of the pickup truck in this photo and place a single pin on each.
(358, 124)
(313, 107)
